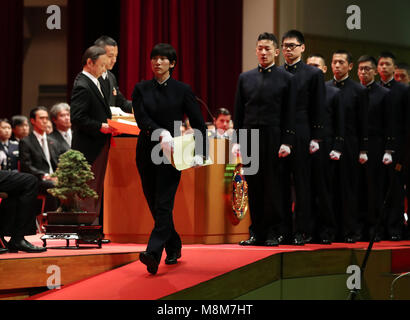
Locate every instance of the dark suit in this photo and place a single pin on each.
(310, 111)
(62, 144)
(354, 99)
(113, 94)
(89, 110)
(399, 104)
(158, 107)
(324, 169)
(17, 212)
(265, 101)
(12, 153)
(34, 161)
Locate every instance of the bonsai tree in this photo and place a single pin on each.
(73, 172)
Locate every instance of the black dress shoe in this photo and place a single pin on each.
(273, 241)
(3, 250)
(252, 241)
(173, 257)
(325, 241)
(23, 245)
(149, 260)
(395, 238)
(298, 240)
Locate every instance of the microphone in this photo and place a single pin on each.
(206, 107)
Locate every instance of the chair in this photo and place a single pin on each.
(40, 220)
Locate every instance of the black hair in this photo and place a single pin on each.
(105, 41)
(294, 34)
(18, 120)
(317, 55)
(403, 65)
(34, 111)
(349, 56)
(367, 58)
(222, 111)
(166, 50)
(92, 53)
(269, 36)
(387, 54)
(5, 120)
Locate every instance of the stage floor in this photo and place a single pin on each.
(221, 272)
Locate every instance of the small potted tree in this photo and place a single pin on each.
(73, 172)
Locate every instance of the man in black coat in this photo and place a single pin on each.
(355, 102)
(108, 80)
(399, 105)
(17, 211)
(310, 109)
(324, 161)
(89, 114)
(39, 155)
(381, 145)
(265, 102)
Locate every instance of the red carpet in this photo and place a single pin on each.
(199, 263)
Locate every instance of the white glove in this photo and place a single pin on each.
(363, 157)
(314, 146)
(284, 151)
(335, 155)
(387, 158)
(197, 161)
(236, 150)
(167, 142)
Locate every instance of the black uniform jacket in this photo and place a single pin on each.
(266, 98)
(310, 103)
(355, 102)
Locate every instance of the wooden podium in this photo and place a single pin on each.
(202, 203)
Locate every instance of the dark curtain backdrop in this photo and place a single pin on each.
(11, 63)
(207, 35)
(87, 21)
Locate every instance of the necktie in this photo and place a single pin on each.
(6, 149)
(99, 88)
(44, 146)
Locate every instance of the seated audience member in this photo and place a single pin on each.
(20, 127)
(49, 127)
(10, 149)
(17, 211)
(402, 73)
(222, 124)
(39, 155)
(60, 115)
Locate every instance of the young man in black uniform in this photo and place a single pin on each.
(324, 161)
(355, 105)
(380, 145)
(399, 105)
(265, 102)
(310, 105)
(159, 104)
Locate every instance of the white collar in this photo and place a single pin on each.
(268, 66)
(347, 76)
(92, 78)
(388, 80)
(39, 136)
(294, 62)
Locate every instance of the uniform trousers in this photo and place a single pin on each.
(159, 184)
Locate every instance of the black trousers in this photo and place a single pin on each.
(159, 184)
(18, 212)
(265, 187)
(298, 167)
(323, 182)
(348, 189)
(375, 186)
(395, 208)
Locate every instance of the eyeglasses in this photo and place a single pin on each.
(290, 46)
(365, 69)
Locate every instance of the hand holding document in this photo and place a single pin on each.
(183, 156)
